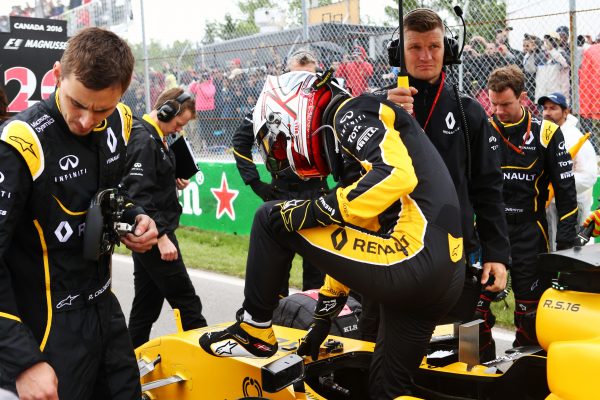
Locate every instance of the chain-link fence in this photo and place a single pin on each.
(555, 42)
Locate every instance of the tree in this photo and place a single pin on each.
(482, 17)
(234, 28)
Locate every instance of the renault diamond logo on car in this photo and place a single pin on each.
(68, 162)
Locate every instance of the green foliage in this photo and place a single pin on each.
(234, 28)
(179, 53)
(478, 23)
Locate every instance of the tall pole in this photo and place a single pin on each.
(145, 50)
(574, 56)
(304, 22)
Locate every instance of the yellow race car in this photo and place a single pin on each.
(565, 367)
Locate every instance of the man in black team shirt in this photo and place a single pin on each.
(468, 151)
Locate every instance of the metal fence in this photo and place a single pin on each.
(555, 42)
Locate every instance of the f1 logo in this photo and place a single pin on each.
(13, 44)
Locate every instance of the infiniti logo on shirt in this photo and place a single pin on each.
(1, 177)
(67, 162)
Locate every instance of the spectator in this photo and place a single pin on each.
(204, 90)
(563, 34)
(533, 55)
(356, 71)
(553, 71)
(585, 166)
(589, 89)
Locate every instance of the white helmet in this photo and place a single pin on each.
(287, 121)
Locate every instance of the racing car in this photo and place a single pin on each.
(566, 366)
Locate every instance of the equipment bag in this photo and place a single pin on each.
(296, 311)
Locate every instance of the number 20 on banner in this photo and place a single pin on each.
(28, 83)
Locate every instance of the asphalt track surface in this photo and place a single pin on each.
(221, 297)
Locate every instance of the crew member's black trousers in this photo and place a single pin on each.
(415, 291)
(156, 280)
(91, 352)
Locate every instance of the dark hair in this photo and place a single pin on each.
(509, 77)
(422, 20)
(172, 94)
(99, 59)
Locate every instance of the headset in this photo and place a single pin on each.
(171, 108)
(452, 49)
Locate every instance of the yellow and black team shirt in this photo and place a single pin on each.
(48, 177)
(404, 186)
(529, 163)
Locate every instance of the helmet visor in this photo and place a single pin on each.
(272, 149)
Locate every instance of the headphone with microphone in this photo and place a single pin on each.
(452, 50)
(171, 108)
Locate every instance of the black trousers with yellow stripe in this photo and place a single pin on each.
(414, 291)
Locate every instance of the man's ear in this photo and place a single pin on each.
(56, 71)
(523, 98)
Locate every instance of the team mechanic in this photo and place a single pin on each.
(533, 154)
(151, 182)
(383, 235)
(285, 185)
(466, 148)
(62, 331)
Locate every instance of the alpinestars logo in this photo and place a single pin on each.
(13, 44)
(63, 232)
(111, 140)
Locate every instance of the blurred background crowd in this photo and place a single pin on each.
(557, 46)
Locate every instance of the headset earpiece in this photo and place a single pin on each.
(451, 50)
(171, 108)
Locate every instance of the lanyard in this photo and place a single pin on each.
(519, 149)
(435, 100)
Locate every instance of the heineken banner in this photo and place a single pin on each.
(218, 200)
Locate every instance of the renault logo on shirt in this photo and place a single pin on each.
(63, 232)
(450, 121)
(68, 162)
(111, 140)
(529, 137)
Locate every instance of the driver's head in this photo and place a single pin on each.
(287, 121)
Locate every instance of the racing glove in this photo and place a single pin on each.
(326, 309)
(263, 190)
(293, 215)
(593, 218)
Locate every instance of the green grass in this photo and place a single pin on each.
(226, 253)
(219, 252)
